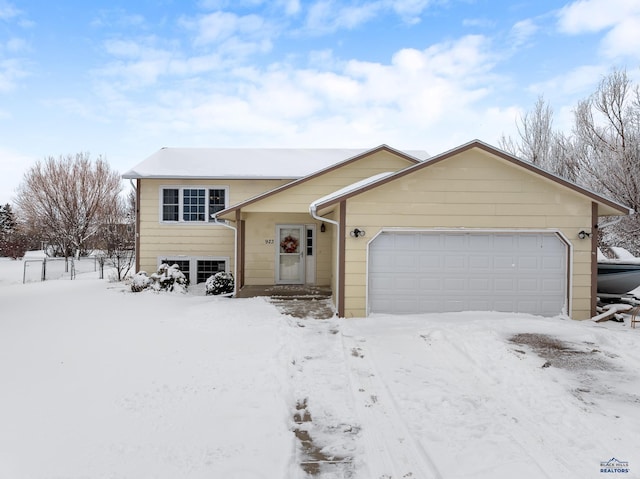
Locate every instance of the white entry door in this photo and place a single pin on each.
(290, 254)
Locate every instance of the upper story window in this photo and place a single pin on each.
(183, 204)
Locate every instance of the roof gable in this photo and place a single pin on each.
(411, 160)
(245, 163)
(609, 207)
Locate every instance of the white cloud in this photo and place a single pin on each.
(327, 16)
(217, 27)
(478, 22)
(620, 19)
(8, 11)
(15, 45)
(584, 16)
(522, 31)
(579, 82)
(410, 10)
(291, 7)
(118, 18)
(624, 39)
(414, 100)
(11, 71)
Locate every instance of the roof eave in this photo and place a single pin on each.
(614, 208)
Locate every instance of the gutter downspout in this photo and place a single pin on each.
(136, 232)
(314, 214)
(235, 250)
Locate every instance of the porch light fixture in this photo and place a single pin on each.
(583, 234)
(356, 233)
(323, 228)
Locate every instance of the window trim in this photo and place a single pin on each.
(181, 188)
(193, 262)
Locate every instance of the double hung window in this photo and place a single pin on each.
(183, 204)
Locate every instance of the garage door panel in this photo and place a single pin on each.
(453, 243)
(480, 241)
(429, 242)
(443, 271)
(478, 305)
(503, 285)
(405, 262)
(552, 285)
(430, 261)
(503, 262)
(480, 262)
(527, 284)
(552, 263)
(430, 284)
(481, 285)
(529, 262)
(454, 284)
(454, 262)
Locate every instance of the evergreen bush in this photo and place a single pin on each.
(167, 278)
(220, 283)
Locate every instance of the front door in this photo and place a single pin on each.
(290, 254)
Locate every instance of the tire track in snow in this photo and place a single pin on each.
(549, 462)
(392, 451)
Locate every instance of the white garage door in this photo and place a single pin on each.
(412, 272)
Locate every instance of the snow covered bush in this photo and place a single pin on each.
(220, 283)
(140, 281)
(167, 278)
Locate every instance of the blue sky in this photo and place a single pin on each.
(123, 79)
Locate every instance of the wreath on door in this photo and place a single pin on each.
(289, 244)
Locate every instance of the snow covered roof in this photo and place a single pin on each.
(607, 206)
(349, 188)
(244, 163)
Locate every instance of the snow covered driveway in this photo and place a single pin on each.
(98, 382)
(465, 395)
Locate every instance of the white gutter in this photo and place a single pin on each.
(235, 251)
(314, 214)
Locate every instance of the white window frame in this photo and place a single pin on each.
(181, 188)
(193, 262)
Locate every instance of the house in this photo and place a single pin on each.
(389, 231)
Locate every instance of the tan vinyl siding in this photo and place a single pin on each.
(260, 253)
(298, 198)
(469, 191)
(204, 239)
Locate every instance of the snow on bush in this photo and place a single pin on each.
(220, 283)
(140, 281)
(167, 278)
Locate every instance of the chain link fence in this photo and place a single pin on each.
(43, 269)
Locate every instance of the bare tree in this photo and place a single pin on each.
(66, 199)
(116, 236)
(539, 144)
(607, 128)
(602, 151)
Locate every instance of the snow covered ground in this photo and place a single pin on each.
(98, 382)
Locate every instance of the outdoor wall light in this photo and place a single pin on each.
(323, 228)
(583, 234)
(356, 233)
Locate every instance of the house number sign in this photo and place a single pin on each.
(269, 241)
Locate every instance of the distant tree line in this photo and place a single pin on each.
(601, 152)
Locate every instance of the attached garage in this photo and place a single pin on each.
(441, 271)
